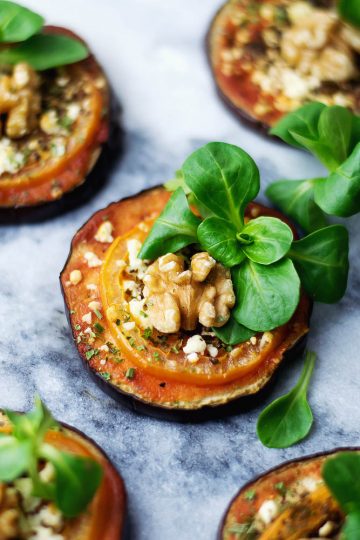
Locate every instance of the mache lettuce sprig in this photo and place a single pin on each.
(332, 135)
(22, 452)
(268, 266)
(24, 39)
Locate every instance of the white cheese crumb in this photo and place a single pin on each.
(104, 348)
(266, 338)
(73, 111)
(91, 287)
(308, 484)
(195, 344)
(253, 340)
(10, 159)
(268, 511)
(75, 277)
(102, 362)
(213, 351)
(129, 325)
(135, 264)
(103, 234)
(136, 308)
(193, 357)
(326, 529)
(92, 259)
(94, 305)
(87, 318)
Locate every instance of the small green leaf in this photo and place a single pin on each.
(224, 179)
(45, 51)
(77, 480)
(304, 122)
(271, 239)
(296, 199)
(179, 181)
(175, 228)
(15, 457)
(33, 424)
(335, 125)
(342, 476)
(17, 23)
(218, 237)
(233, 333)
(350, 11)
(267, 296)
(288, 419)
(321, 260)
(351, 528)
(339, 193)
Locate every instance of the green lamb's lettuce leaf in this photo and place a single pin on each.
(267, 296)
(267, 239)
(296, 199)
(233, 333)
(224, 179)
(17, 23)
(175, 228)
(322, 262)
(289, 418)
(218, 237)
(45, 51)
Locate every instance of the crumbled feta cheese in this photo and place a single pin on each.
(49, 122)
(58, 147)
(326, 529)
(193, 357)
(308, 484)
(104, 348)
(91, 287)
(253, 340)
(10, 159)
(103, 362)
(73, 111)
(103, 234)
(75, 277)
(195, 344)
(87, 318)
(94, 305)
(266, 338)
(129, 325)
(268, 511)
(92, 259)
(135, 264)
(136, 308)
(213, 351)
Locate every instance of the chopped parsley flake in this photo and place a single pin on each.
(147, 333)
(98, 314)
(77, 327)
(99, 328)
(112, 347)
(92, 352)
(105, 375)
(250, 495)
(130, 373)
(281, 488)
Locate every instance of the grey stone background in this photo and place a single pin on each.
(179, 477)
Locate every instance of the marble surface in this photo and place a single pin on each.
(179, 477)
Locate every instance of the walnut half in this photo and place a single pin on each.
(179, 298)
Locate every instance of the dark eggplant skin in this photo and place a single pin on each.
(249, 121)
(183, 415)
(245, 487)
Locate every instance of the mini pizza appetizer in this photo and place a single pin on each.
(269, 57)
(54, 106)
(313, 497)
(55, 483)
(182, 307)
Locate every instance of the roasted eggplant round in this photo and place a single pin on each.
(105, 516)
(269, 57)
(53, 150)
(136, 364)
(289, 502)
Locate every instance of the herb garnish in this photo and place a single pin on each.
(332, 135)
(76, 478)
(288, 419)
(350, 11)
(267, 266)
(24, 28)
(341, 474)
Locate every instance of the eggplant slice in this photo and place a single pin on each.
(270, 57)
(74, 136)
(143, 368)
(289, 502)
(105, 517)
